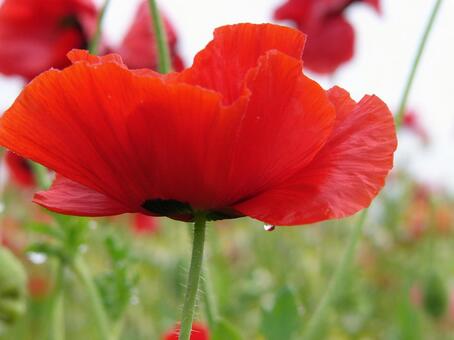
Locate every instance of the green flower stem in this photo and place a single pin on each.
(93, 46)
(209, 302)
(194, 276)
(100, 317)
(57, 331)
(162, 47)
(414, 68)
(313, 327)
(319, 316)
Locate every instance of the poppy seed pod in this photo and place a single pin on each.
(12, 290)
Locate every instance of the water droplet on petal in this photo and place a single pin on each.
(269, 227)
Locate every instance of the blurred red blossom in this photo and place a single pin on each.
(138, 49)
(39, 286)
(20, 170)
(144, 224)
(243, 132)
(12, 236)
(412, 123)
(331, 38)
(199, 332)
(35, 35)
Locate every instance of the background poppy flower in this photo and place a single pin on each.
(199, 332)
(138, 49)
(331, 37)
(20, 170)
(39, 286)
(412, 122)
(144, 224)
(35, 35)
(241, 132)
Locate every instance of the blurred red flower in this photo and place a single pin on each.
(20, 170)
(241, 132)
(138, 49)
(199, 332)
(38, 286)
(35, 35)
(330, 36)
(412, 122)
(144, 224)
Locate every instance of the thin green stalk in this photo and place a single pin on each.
(414, 68)
(194, 276)
(57, 331)
(313, 327)
(162, 47)
(100, 317)
(93, 46)
(209, 302)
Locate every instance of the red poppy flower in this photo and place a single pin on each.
(35, 35)
(145, 224)
(241, 132)
(199, 332)
(138, 49)
(20, 170)
(330, 36)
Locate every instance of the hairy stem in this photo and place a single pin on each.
(194, 276)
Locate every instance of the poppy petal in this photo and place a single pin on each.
(294, 10)
(121, 133)
(36, 35)
(73, 121)
(235, 49)
(138, 47)
(84, 56)
(71, 198)
(20, 170)
(288, 119)
(345, 175)
(329, 45)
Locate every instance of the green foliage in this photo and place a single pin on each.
(225, 331)
(63, 239)
(117, 286)
(283, 320)
(12, 290)
(407, 318)
(435, 296)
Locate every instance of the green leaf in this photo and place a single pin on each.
(407, 318)
(45, 229)
(283, 320)
(116, 287)
(225, 331)
(47, 249)
(435, 296)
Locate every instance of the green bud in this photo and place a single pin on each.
(13, 280)
(435, 297)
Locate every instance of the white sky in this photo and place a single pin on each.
(385, 48)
